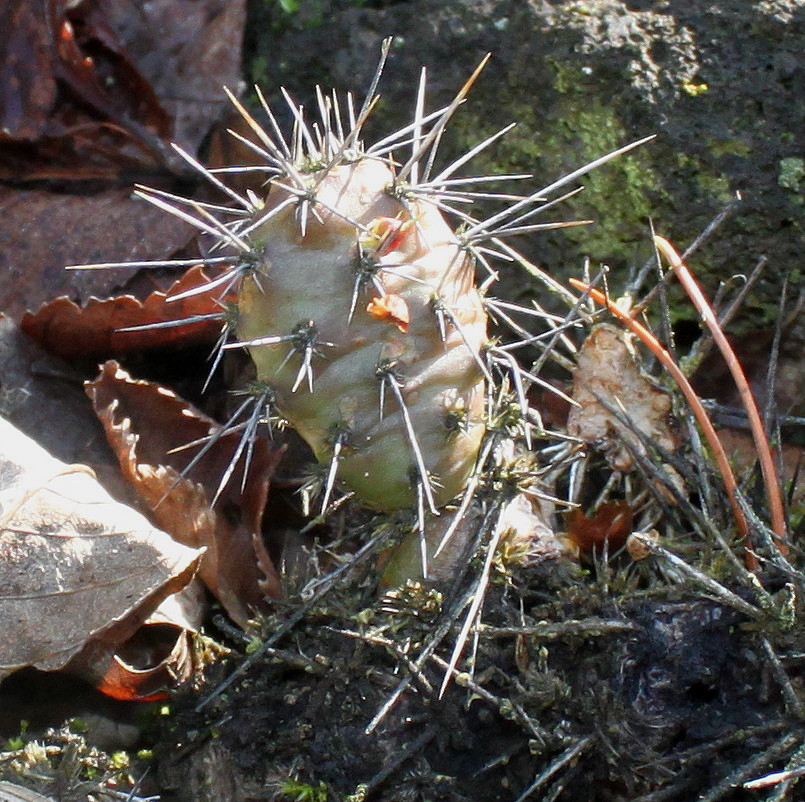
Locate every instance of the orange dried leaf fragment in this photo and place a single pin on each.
(94, 330)
(392, 308)
(610, 524)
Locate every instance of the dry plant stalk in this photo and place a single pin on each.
(767, 466)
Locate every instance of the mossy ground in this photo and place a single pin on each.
(650, 687)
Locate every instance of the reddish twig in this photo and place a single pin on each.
(699, 412)
(765, 456)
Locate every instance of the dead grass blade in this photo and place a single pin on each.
(765, 457)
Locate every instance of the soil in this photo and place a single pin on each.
(662, 695)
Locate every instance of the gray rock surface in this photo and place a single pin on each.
(719, 83)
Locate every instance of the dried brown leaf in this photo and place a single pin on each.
(27, 82)
(76, 566)
(145, 424)
(105, 125)
(71, 331)
(41, 232)
(610, 524)
(98, 89)
(607, 372)
(157, 658)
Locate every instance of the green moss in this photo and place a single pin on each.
(618, 197)
(303, 792)
(730, 147)
(792, 173)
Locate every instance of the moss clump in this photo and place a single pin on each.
(579, 129)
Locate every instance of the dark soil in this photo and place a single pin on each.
(667, 699)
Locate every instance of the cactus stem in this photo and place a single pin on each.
(264, 218)
(442, 311)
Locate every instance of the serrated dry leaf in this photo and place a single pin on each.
(93, 330)
(145, 424)
(607, 373)
(76, 566)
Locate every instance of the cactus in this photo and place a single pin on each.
(342, 320)
(354, 279)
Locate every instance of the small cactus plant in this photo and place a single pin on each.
(366, 322)
(354, 279)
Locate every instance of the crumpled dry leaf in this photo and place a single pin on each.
(76, 567)
(144, 424)
(607, 371)
(157, 658)
(84, 91)
(43, 397)
(72, 331)
(89, 88)
(126, 680)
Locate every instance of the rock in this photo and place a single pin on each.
(716, 81)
